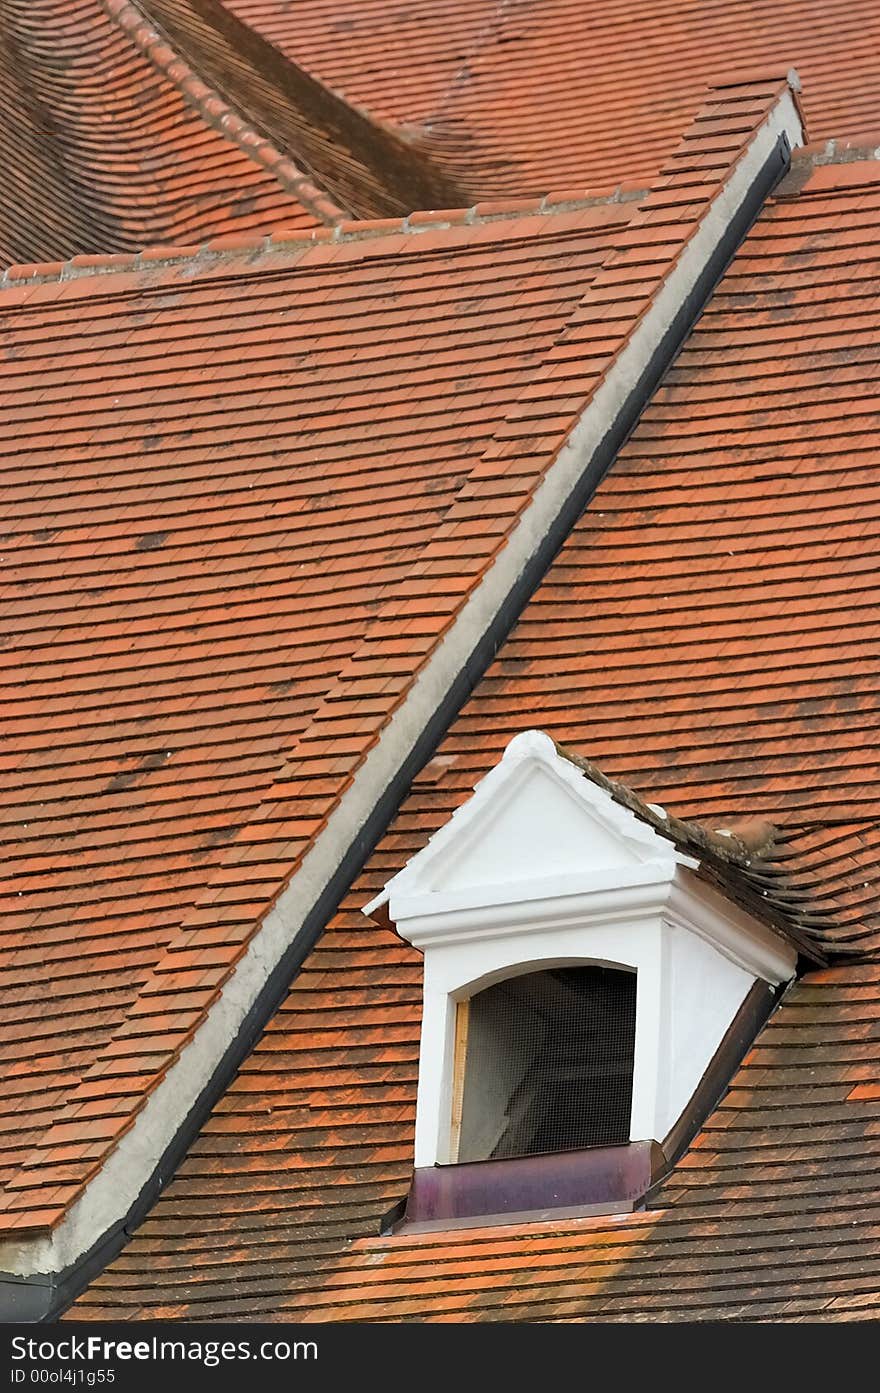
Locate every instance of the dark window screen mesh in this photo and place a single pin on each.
(549, 1063)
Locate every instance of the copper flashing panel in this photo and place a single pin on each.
(599, 1178)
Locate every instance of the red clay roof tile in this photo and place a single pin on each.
(705, 635)
(136, 756)
(514, 97)
(773, 1213)
(365, 166)
(135, 761)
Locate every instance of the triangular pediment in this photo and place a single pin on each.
(535, 815)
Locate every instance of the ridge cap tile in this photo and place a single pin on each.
(226, 247)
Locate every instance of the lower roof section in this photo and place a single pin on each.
(708, 634)
(773, 1215)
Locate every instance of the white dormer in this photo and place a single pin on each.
(542, 869)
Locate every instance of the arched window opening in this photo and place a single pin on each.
(545, 1064)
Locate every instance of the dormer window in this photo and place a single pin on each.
(546, 1063)
(585, 980)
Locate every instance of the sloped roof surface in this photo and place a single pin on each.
(364, 165)
(108, 143)
(396, 58)
(195, 683)
(773, 1215)
(198, 532)
(716, 604)
(708, 635)
(522, 95)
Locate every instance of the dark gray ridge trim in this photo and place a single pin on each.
(26, 1300)
(68, 1284)
(752, 1016)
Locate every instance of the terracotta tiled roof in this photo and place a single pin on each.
(366, 166)
(515, 95)
(707, 634)
(112, 143)
(773, 1215)
(202, 688)
(167, 647)
(715, 605)
(397, 58)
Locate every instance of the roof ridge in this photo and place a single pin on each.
(740, 857)
(345, 231)
(846, 149)
(216, 111)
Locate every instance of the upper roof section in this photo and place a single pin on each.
(396, 58)
(111, 143)
(524, 95)
(365, 165)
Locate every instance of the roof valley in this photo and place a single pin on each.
(364, 166)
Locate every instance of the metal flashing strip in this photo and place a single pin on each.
(601, 1179)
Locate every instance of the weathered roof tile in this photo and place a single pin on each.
(686, 643)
